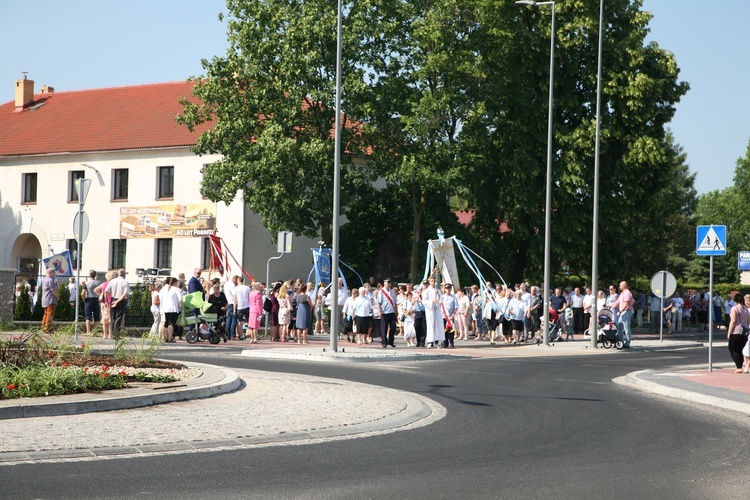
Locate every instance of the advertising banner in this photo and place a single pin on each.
(195, 220)
(743, 261)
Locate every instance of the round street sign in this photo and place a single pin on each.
(84, 227)
(663, 284)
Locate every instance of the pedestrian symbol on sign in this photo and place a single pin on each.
(711, 240)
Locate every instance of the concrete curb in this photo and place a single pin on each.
(638, 380)
(213, 380)
(412, 411)
(352, 356)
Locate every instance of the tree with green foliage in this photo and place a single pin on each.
(725, 207)
(645, 186)
(423, 80)
(270, 100)
(449, 99)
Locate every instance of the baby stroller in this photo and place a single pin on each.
(607, 334)
(208, 326)
(556, 326)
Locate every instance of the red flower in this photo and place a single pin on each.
(123, 373)
(83, 345)
(105, 368)
(105, 375)
(85, 368)
(11, 387)
(65, 365)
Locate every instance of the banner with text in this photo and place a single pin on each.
(195, 220)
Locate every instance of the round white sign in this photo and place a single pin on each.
(663, 284)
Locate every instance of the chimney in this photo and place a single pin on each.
(24, 93)
(46, 89)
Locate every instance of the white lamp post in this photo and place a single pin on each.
(548, 203)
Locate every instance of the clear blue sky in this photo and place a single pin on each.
(83, 44)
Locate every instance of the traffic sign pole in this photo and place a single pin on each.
(710, 313)
(661, 321)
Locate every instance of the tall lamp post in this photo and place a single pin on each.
(595, 244)
(548, 203)
(335, 313)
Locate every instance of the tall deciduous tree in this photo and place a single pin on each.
(271, 100)
(421, 77)
(644, 184)
(727, 207)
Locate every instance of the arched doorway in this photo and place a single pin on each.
(26, 254)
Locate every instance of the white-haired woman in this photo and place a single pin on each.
(362, 313)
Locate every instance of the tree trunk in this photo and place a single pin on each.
(519, 266)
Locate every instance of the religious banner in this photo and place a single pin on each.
(322, 259)
(444, 255)
(168, 221)
(60, 263)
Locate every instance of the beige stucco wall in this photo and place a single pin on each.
(50, 220)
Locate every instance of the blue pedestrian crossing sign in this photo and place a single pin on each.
(711, 240)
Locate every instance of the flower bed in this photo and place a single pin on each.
(37, 366)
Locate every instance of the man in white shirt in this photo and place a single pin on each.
(677, 303)
(576, 305)
(387, 307)
(588, 304)
(231, 325)
(119, 289)
(242, 305)
(526, 299)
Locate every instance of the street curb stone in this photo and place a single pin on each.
(642, 380)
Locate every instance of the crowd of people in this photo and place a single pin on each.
(425, 315)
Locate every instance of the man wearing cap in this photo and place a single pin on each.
(387, 306)
(432, 298)
(449, 307)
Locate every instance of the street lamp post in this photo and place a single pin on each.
(593, 327)
(548, 202)
(335, 314)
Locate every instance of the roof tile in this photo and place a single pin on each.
(109, 119)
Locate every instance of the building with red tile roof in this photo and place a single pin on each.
(144, 204)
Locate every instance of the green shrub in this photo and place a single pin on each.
(63, 312)
(22, 311)
(38, 309)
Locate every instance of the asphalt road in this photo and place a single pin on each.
(515, 428)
